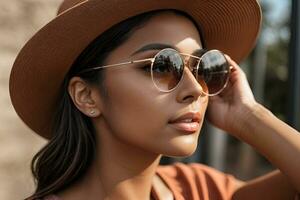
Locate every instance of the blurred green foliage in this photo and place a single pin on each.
(277, 34)
(276, 85)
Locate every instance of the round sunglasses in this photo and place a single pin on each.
(211, 70)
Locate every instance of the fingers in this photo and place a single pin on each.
(231, 62)
(234, 66)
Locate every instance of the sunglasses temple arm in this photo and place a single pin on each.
(124, 63)
(117, 65)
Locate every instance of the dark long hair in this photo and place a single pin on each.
(69, 153)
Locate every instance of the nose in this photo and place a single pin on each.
(189, 90)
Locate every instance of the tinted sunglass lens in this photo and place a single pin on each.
(213, 72)
(167, 69)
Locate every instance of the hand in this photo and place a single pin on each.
(228, 109)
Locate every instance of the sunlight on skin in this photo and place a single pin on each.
(188, 42)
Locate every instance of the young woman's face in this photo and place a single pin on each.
(136, 113)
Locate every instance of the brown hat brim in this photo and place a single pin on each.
(231, 26)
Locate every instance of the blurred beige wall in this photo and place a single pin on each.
(19, 20)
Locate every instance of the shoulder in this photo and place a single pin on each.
(198, 179)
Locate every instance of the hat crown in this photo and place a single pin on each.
(67, 4)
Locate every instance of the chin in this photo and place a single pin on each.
(181, 149)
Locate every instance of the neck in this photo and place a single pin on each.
(119, 171)
(125, 173)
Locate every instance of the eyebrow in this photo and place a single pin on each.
(160, 46)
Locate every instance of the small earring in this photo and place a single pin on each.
(92, 112)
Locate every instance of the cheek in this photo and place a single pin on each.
(138, 114)
(133, 113)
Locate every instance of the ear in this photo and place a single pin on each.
(85, 97)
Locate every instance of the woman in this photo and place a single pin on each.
(114, 85)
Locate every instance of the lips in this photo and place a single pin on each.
(187, 123)
(187, 117)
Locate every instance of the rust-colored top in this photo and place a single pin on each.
(197, 182)
(192, 182)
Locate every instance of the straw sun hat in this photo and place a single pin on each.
(39, 69)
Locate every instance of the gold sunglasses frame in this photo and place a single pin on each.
(152, 61)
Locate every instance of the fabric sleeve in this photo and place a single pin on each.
(198, 182)
(218, 184)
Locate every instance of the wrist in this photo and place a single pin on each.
(250, 115)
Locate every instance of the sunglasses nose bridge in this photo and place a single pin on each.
(191, 85)
(191, 72)
(185, 60)
(192, 69)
